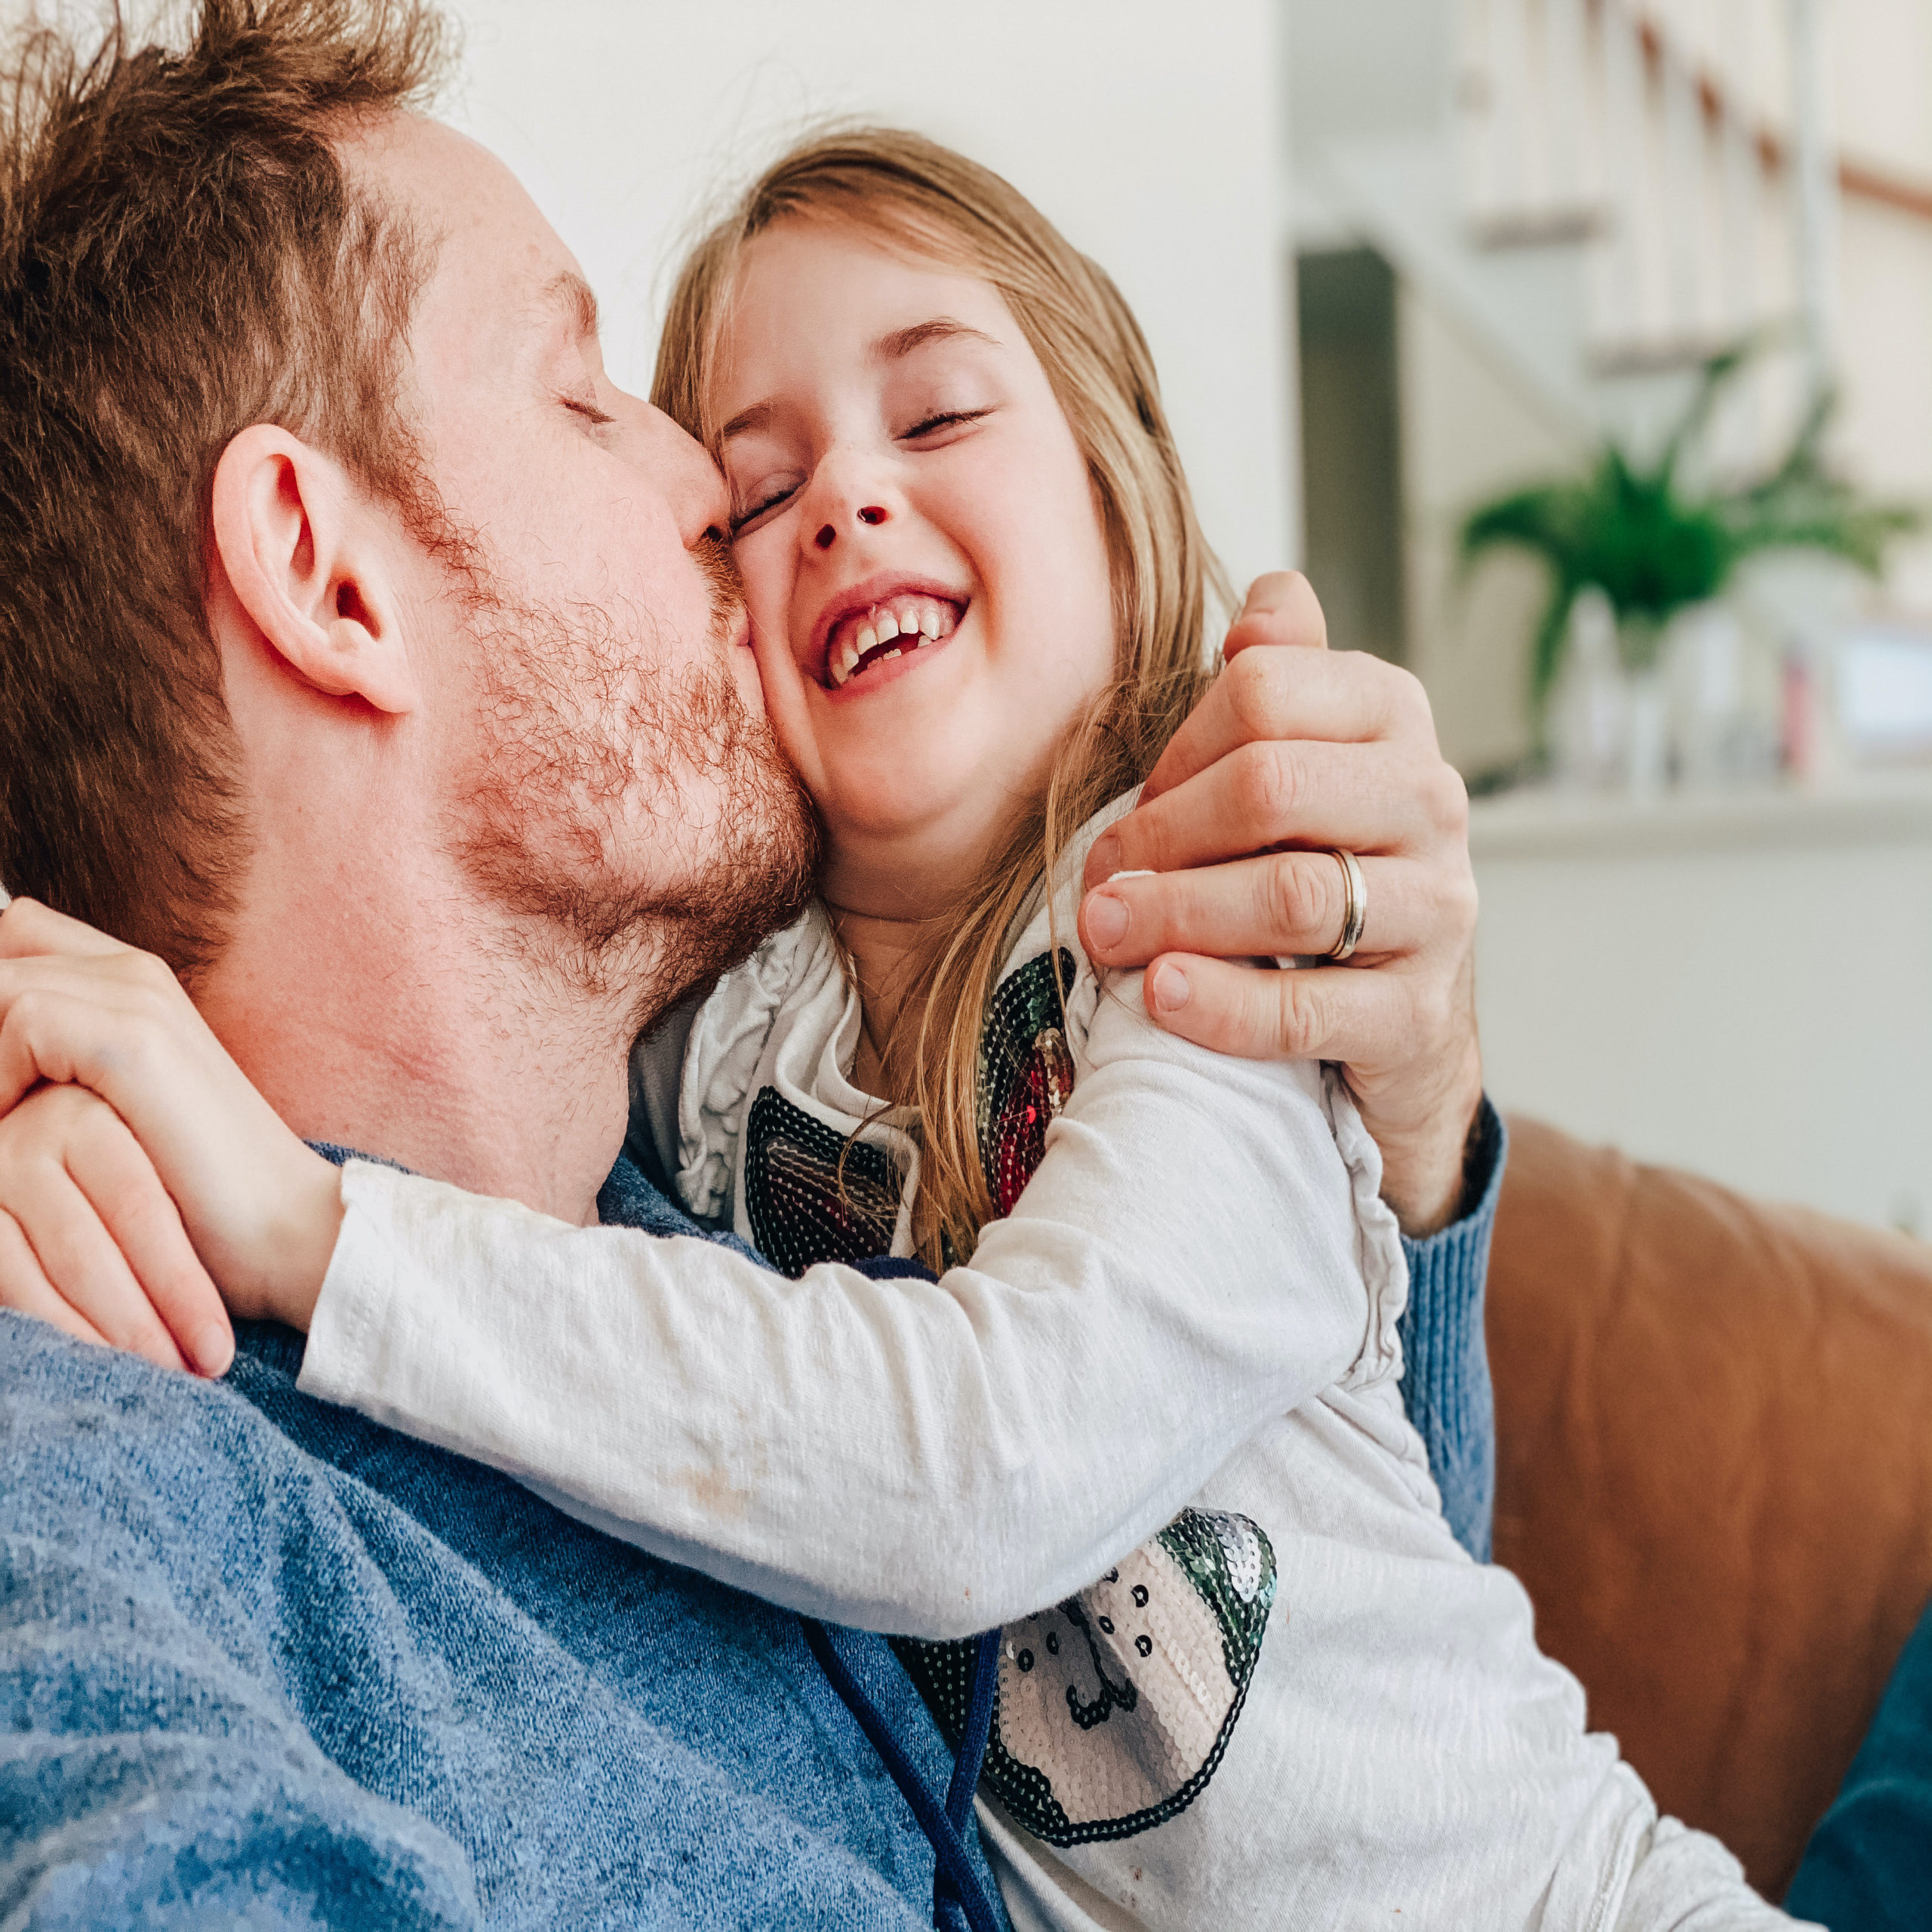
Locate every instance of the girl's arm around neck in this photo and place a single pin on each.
(927, 1458)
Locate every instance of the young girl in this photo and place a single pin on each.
(978, 591)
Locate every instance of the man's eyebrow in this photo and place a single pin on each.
(569, 292)
(941, 329)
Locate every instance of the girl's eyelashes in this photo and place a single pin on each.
(766, 500)
(947, 419)
(588, 411)
(742, 520)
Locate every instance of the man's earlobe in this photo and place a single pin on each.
(296, 546)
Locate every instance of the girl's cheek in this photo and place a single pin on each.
(767, 585)
(777, 670)
(761, 569)
(784, 695)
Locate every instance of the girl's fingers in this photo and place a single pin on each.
(25, 1288)
(106, 1237)
(96, 1023)
(84, 1266)
(262, 1211)
(117, 1022)
(46, 1034)
(1283, 903)
(1320, 1012)
(27, 926)
(120, 1183)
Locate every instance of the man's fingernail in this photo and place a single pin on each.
(1171, 989)
(1106, 920)
(1104, 861)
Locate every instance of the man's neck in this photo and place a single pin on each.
(441, 1039)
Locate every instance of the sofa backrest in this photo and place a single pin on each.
(1714, 1474)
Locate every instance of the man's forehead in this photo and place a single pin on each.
(493, 246)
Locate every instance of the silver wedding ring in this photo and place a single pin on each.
(1354, 910)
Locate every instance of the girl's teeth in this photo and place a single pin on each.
(918, 623)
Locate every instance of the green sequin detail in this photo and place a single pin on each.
(1207, 1546)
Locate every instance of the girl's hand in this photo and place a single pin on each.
(1297, 746)
(261, 1209)
(89, 1241)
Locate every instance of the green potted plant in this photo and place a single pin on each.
(1653, 549)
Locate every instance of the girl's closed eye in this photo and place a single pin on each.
(753, 504)
(930, 429)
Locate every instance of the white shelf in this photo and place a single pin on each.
(1541, 824)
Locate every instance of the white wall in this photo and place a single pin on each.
(1150, 133)
(1737, 986)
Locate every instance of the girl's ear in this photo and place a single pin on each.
(303, 560)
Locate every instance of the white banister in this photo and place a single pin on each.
(1815, 180)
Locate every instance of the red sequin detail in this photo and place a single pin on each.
(1019, 1136)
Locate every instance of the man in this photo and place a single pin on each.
(374, 661)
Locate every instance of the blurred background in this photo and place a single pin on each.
(1580, 350)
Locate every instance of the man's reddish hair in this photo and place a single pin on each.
(182, 254)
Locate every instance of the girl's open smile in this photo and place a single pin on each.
(880, 622)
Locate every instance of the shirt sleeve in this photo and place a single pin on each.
(1445, 1350)
(929, 1458)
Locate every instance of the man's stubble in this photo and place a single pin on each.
(643, 820)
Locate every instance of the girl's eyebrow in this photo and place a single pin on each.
(756, 417)
(941, 329)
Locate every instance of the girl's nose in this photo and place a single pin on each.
(828, 535)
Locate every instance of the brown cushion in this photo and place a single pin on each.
(1714, 1426)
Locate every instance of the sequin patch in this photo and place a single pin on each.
(1025, 1072)
(800, 1214)
(1115, 1708)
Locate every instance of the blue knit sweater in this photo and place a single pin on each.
(264, 1662)
(1445, 1356)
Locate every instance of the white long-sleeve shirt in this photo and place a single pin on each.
(930, 1459)
(1195, 1297)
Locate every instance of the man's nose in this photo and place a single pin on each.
(692, 485)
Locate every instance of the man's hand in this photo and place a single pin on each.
(263, 1210)
(1296, 747)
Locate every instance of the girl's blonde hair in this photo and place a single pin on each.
(925, 200)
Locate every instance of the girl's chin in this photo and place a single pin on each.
(872, 802)
(897, 743)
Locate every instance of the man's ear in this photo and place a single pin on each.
(294, 538)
